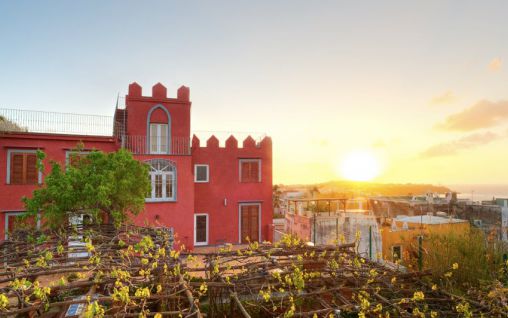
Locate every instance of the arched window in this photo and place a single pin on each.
(163, 180)
(159, 130)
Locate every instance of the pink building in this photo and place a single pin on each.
(208, 194)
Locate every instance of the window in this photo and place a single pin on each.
(158, 138)
(17, 221)
(163, 180)
(201, 229)
(22, 167)
(73, 157)
(396, 253)
(201, 173)
(250, 170)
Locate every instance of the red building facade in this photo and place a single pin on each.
(208, 194)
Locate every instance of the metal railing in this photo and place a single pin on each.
(140, 145)
(17, 120)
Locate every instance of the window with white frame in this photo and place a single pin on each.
(201, 173)
(18, 221)
(158, 138)
(250, 170)
(22, 167)
(200, 229)
(73, 157)
(162, 178)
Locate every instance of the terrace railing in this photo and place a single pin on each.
(140, 145)
(17, 120)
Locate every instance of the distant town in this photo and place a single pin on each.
(388, 219)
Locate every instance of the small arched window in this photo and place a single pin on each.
(162, 178)
(159, 130)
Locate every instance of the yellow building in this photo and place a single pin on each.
(400, 235)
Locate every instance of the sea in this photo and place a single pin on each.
(480, 192)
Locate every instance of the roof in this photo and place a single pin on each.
(429, 219)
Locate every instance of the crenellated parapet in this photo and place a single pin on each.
(231, 142)
(155, 115)
(159, 92)
(249, 146)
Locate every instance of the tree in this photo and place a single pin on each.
(7, 125)
(313, 191)
(276, 193)
(113, 183)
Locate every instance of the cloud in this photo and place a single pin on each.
(455, 146)
(495, 65)
(483, 114)
(445, 98)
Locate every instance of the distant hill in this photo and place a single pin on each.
(351, 188)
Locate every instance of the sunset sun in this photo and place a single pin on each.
(359, 166)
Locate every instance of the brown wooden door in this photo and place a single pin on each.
(201, 229)
(249, 222)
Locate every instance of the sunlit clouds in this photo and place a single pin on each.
(444, 98)
(456, 146)
(483, 114)
(495, 65)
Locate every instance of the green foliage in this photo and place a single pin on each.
(461, 261)
(276, 194)
(4, 302)
(94, 310)
(111, 183)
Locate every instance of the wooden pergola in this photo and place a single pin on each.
(102, 271)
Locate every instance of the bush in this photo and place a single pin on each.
(462, 261)
(113, 184)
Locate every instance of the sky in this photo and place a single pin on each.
(421, 86)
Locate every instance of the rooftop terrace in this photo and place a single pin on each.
(429, 219)
(42, 122)
(17, 120)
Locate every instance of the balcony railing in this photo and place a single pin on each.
(17, 120)
(140, 145)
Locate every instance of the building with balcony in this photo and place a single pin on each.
(209, 194)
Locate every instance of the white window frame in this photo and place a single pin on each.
(68, 155)
(207, 229)
(240, 169)
(240, 220)
(158, 142)
(165, 175)
(196, 166)
(9, 155)
(15, 213)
